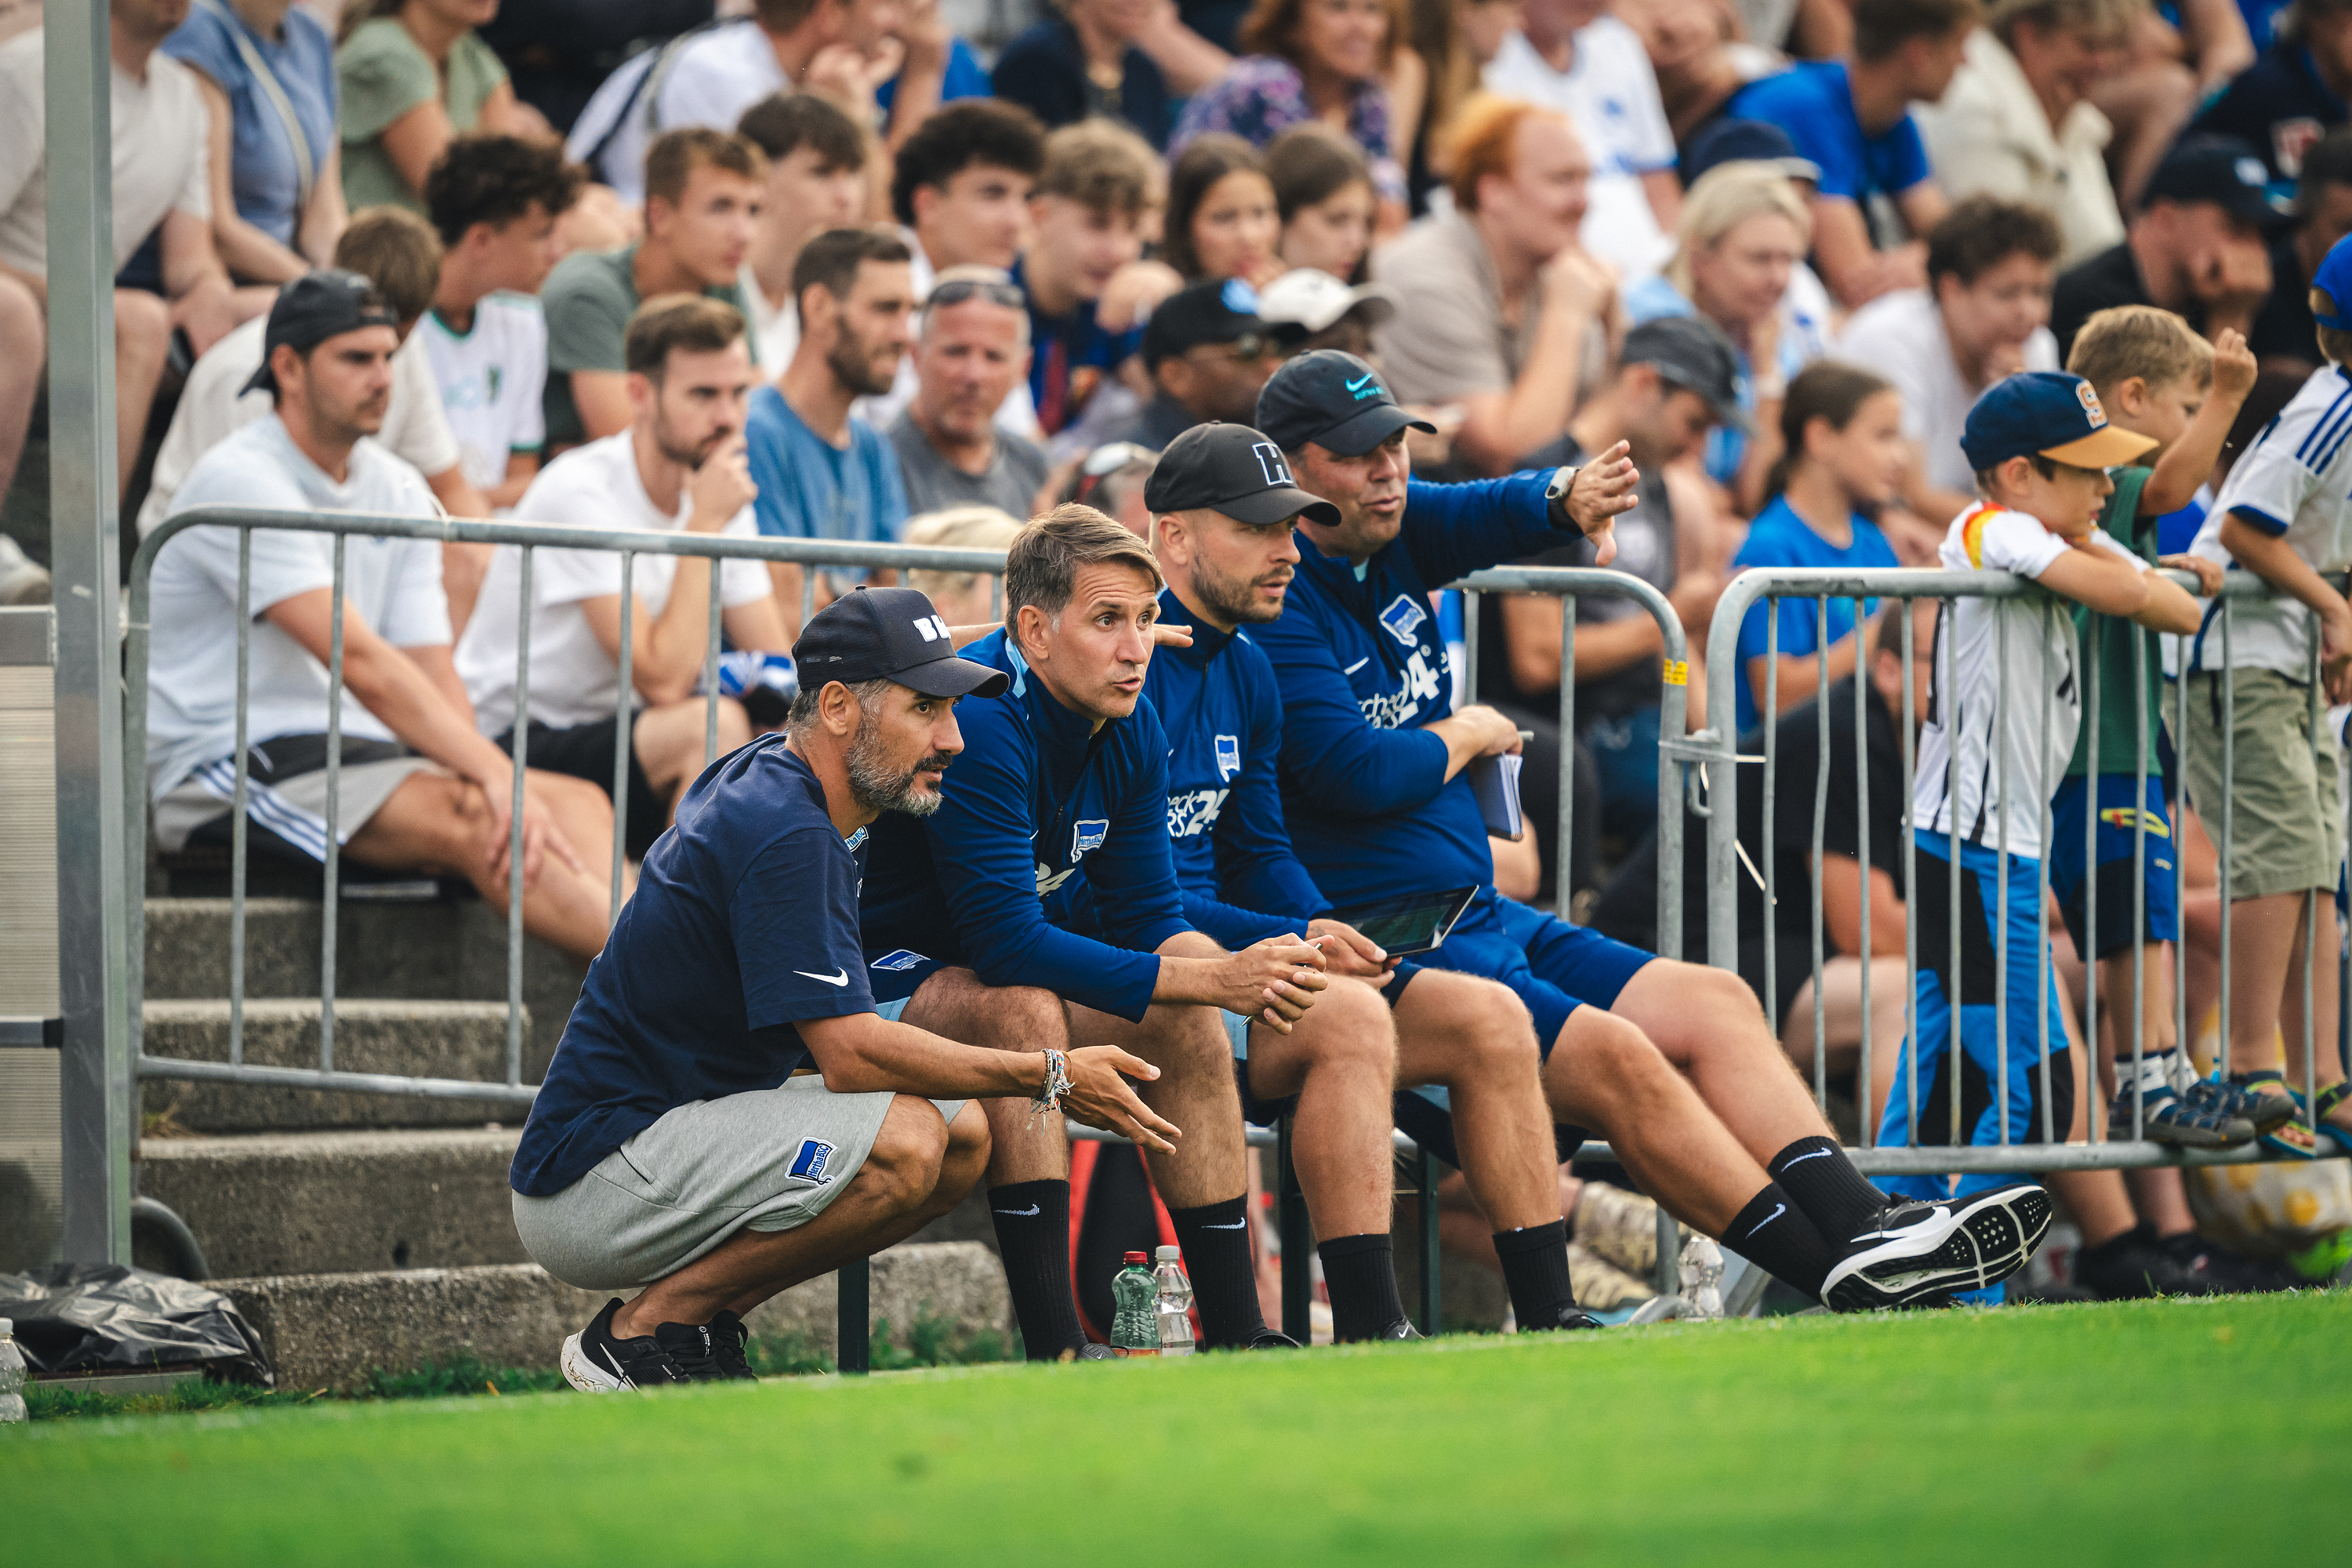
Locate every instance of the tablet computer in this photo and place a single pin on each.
(1412, 923)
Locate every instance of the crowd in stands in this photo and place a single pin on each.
(827, 269)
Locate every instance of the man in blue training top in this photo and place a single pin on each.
(1046, 871)
(684, 1140)
(1223, 510)
(1372, 761)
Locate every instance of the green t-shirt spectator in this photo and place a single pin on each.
(2119, 739)
(382, 74)
(588, 300)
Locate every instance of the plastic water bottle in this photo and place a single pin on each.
(1174, 1304)
(1133, 1331)
(12, 1373)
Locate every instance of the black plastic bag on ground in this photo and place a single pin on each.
(90, 1317)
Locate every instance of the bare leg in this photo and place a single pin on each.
(1194, 1090)
(1474, 1036)
(882, 1202)
(2101, 1207)
(668, 742)
(1842, 1025)
(2265, 950)
(142, 344)
(954, 1004)
(1707, 1024)
(1340, 1061)
(24, 344)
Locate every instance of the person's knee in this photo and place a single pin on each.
(903, 1166)
(143, 326)
(1351, 1031)
(1004, 1018)
(1611, 1059)
(965, 1159)
(1496, 1035)
(572, 798)
(22, 330)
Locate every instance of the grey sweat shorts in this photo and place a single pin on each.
(772, 1160)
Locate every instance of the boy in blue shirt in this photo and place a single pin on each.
(1876, 199)
(1674, 1061)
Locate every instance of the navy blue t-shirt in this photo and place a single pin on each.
(2280, 105)
(744, 922)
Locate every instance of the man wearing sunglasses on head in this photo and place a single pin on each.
(971, 349)
(1209, 353)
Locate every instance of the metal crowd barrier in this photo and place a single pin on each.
(1721, 748)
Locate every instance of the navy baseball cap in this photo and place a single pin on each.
(888, 634)
(2049, 413)
(1233, 469)
(2334, 279)
(1691, 353)
(1336, 401)
(313, 307)
(2226, 171)
(1225, 313)
(1746, 142)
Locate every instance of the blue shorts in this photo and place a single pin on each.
(1994, 1092)
(2116, 844)
(1552, 966)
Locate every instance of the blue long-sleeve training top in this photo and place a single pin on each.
(1047, 831)
(1221, 713)
(1360, 668)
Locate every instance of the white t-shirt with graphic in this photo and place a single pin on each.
(1996, 728)
(489, 380)
(573, 680)
(1612, 92)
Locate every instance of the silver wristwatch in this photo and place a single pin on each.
(1556, 499)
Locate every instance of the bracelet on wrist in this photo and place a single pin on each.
(1056, 1085)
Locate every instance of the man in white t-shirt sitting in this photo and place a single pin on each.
(1984, 315)
(419, 788)
(679, 465)
(160, 178)
(1572, 55)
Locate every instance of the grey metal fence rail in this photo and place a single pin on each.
(1719, 746)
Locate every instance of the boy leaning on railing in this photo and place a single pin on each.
(2040, 444)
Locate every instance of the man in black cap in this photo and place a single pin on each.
(1208, 352)
(1672, 1061)
(1223, 513)
(2199, 247)
(419, 787)
(680, 1141)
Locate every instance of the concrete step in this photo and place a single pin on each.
(326, 1330)
(335, 1202)
(414, 1039)
(427, 952)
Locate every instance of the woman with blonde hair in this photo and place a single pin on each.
(1739, 262)
(962, 598)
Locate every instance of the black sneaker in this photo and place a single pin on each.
(1270, 1339)
(1913, 1251)
(1402, 1328)
(2132, 1268)
(708, 1352)
(1091, 1351)
(2227, 1273)
(1570, 1317)
(594, 1362)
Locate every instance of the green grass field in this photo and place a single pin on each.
(2134, 1434)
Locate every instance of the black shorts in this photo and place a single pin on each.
(585, 751)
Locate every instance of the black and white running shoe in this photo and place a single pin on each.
(594, 1362)
(1917, 1251)
(708, 1352)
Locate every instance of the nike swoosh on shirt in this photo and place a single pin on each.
(1024, 1214)
(1358, 664)
(839, 977)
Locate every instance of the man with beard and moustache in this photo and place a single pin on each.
(680, 465)
(970, 350)
(1223, 512)
(730, 1113)
(822, 473)
(1039, 905)
(420, 788)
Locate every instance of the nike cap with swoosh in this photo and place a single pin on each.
(1336, 401)
(1233, 469)
(888, 634)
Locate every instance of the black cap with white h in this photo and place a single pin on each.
(1233, 469)
(888, 634)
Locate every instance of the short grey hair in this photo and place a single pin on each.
(972, 272)
(802, 717)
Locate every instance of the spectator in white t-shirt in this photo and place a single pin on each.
(160, 179)
(679, 465)
(816, 181)
(495, 201)
(1572, 55)
(398, 254)
(1984, 315)
(419, 788)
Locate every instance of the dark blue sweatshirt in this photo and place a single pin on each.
(1361, 667)
(1219, 706)
(1047, 831)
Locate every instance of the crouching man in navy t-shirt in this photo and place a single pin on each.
(1055, 824)
(729, 1112)
(1673, 1062)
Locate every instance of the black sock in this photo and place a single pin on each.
(1360, 1273)
(1535, 1270)
(1216, 1240)
(1033, 1236)
(1815, 1175)
(1773, 1234)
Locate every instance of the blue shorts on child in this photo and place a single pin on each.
(2122, 838)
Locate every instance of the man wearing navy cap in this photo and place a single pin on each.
(682, 1140)
(2199, 247)
(1672, 1061)
(1208, 352)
